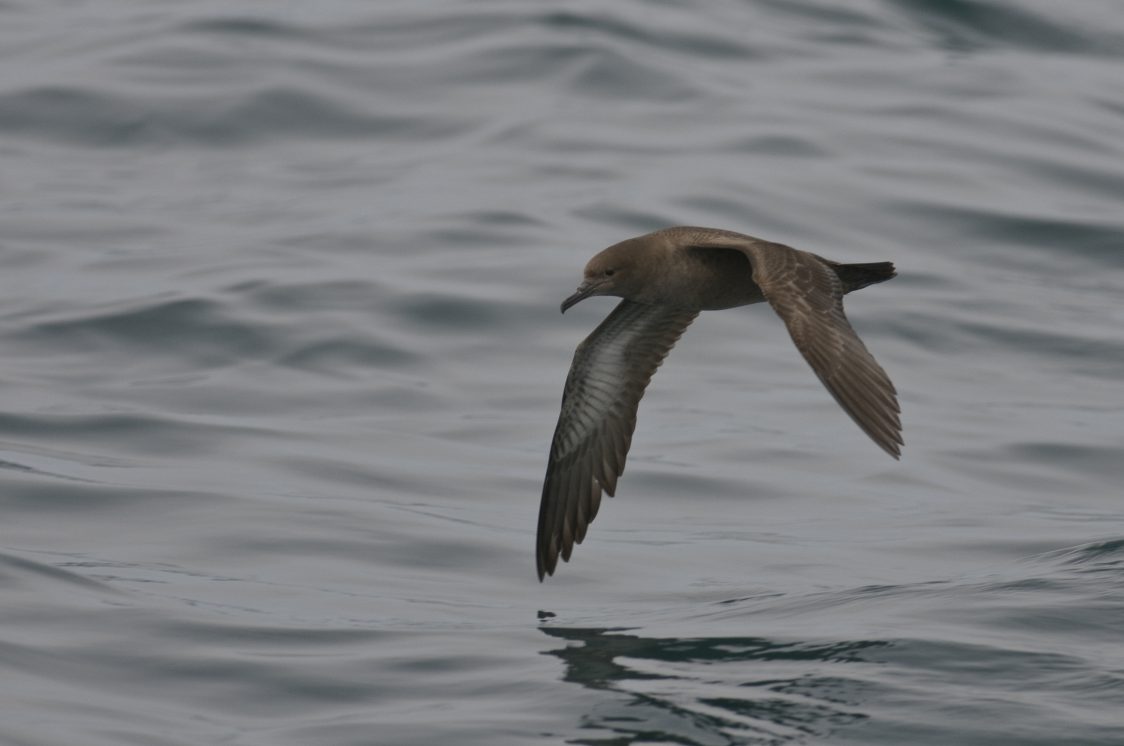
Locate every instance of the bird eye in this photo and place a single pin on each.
(609, 272)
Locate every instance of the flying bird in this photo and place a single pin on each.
(665, 279)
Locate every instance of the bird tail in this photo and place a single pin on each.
(855, 276)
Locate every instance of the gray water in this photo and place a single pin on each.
(281, 359)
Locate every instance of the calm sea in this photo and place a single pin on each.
(280, 359)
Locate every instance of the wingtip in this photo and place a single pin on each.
(543, 565)
(894, 447)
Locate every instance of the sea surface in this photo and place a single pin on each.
(281, 357)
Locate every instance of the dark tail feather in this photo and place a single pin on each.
(855, 276)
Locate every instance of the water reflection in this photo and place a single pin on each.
(716, 690)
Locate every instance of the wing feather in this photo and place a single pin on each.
(607, 378)
(807, 294)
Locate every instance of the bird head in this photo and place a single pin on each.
(610, 272)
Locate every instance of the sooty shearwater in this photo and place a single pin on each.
(665, 279)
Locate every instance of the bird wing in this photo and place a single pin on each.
(808, 296)
(610, 371)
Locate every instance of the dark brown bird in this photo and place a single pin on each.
(666, 278)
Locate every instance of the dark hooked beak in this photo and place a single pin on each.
(584, 290)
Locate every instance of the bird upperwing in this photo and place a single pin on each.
(808, 296)
(610, 371)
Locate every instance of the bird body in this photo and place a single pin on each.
(666, 278)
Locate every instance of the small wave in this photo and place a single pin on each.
(83, 116)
